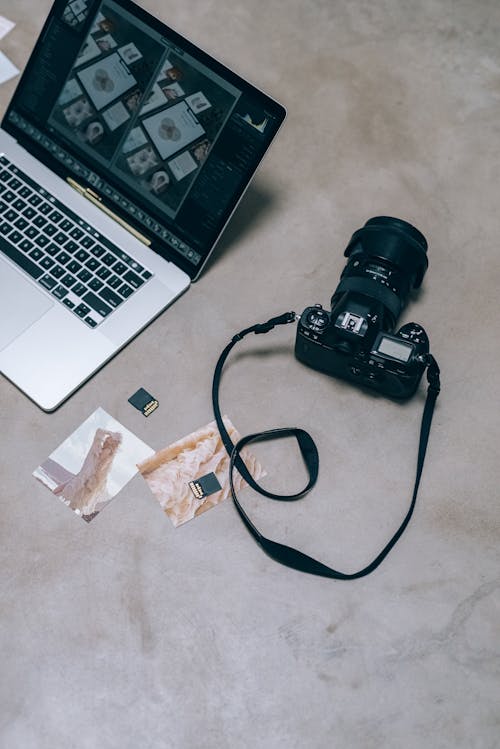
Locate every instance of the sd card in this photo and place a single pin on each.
(202, 487)
(144, 401)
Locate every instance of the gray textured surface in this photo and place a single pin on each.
(128, 633)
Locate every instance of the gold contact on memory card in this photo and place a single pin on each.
(150, 407)
(195, 487)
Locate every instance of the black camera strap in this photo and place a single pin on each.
(279, 552)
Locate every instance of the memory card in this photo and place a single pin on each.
(204, 486)
(144, 401)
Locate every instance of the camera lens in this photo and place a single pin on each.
(387, 259)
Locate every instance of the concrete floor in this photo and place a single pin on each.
(127, 633)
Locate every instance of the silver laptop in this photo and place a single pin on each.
(123, 154)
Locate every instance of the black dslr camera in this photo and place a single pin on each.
(356, 339)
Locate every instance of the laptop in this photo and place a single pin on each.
(123, 153)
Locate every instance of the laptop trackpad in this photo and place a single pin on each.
(21, 304)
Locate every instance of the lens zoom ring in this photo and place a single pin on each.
(372, 289)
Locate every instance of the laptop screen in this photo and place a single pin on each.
(167, 136)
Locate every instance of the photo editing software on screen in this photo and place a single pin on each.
(152, 124)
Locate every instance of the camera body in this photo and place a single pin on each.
(353, 347)
(356, 339)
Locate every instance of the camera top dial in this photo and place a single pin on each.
(317, 319)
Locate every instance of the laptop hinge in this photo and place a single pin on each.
(97, 201)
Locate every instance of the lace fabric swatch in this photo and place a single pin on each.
(170, 471)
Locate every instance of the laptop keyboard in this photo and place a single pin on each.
(77, 265)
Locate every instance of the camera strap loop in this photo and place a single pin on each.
(281, 553)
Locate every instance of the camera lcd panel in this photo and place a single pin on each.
(395, 349)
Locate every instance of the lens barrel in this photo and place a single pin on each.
(387, 259)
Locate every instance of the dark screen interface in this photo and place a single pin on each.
(149, 126)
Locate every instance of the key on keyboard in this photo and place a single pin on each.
(69, 259)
